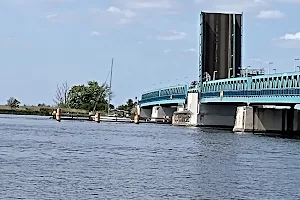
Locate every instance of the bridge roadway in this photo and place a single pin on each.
(169, 95)
(276, 89)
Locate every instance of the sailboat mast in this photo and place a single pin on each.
(109, 94)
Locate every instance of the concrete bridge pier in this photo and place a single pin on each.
(145, 113)
(222, 115)
(197, 114)
(162, 113)
(262, 119)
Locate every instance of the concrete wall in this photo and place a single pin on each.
(159, 112)
(145, 112)
(260, 119)
(217, 115)
(193, 107)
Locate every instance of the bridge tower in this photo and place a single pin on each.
(220, 45)
(220, 57)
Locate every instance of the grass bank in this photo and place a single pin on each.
(37, 110)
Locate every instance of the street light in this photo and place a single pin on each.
(229, 72)
(270, 63)
(246, 75)
(274, 71)
(295, 63)
(214, 75)
(298, 68)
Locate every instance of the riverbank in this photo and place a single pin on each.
(37, 110)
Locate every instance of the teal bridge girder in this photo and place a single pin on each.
(283, 89)
(169, 95)
(279, 89)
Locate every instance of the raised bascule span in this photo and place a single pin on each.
(226, 94)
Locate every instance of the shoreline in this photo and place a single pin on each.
(38, 110)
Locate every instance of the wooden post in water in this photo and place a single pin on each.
(58, 114)
(54, 114)
(136, 119)
(97, 117)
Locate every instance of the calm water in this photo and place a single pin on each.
(43, 159)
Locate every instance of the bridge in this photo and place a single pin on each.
(169, 95)
(275, 89)
(234, 97)
(223, 96)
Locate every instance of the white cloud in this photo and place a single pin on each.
(113, 10)
(51, 16)
(189, 50)
(270, 14)
(289, 1)
(94, 33)
(57, 1)
(125, 15)
(235, 6)
(166, 51)
(142, 4)
(172, 35)
(289, 36)
(288, 41)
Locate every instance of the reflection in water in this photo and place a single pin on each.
(44, 159)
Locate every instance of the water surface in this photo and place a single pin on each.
(43, 159)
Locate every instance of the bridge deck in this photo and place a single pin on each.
(283, 88)
(273, 88)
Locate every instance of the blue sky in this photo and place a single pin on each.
(154, 42)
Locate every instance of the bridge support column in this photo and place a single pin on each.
(217, 115)
(188, 116)
(260, 119)
(198, 114)
(145, 113)
(162, 113)
(290, 118)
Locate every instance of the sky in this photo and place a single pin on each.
(154, 43)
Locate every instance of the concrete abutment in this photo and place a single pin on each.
(156, 113)
(262, 119)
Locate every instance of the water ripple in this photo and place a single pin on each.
(43, 159)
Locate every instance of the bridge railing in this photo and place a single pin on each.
(285, 84)
(169, 93)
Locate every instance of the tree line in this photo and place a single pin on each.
(91, 96)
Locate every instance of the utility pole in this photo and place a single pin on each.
(109, 94)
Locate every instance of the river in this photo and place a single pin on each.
(44, 159)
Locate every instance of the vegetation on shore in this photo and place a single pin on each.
(78, 99)
(36, 110)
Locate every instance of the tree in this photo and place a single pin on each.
(88, 96)
(128, 106)
(62, 94)
(43, 105)
(13, 103)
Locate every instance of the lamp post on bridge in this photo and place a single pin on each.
(295, 63)
(185, 80)
(270, 64)
(214, 75)
(298, 68)
(229, 72)
(274, 71)
(246, 75)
